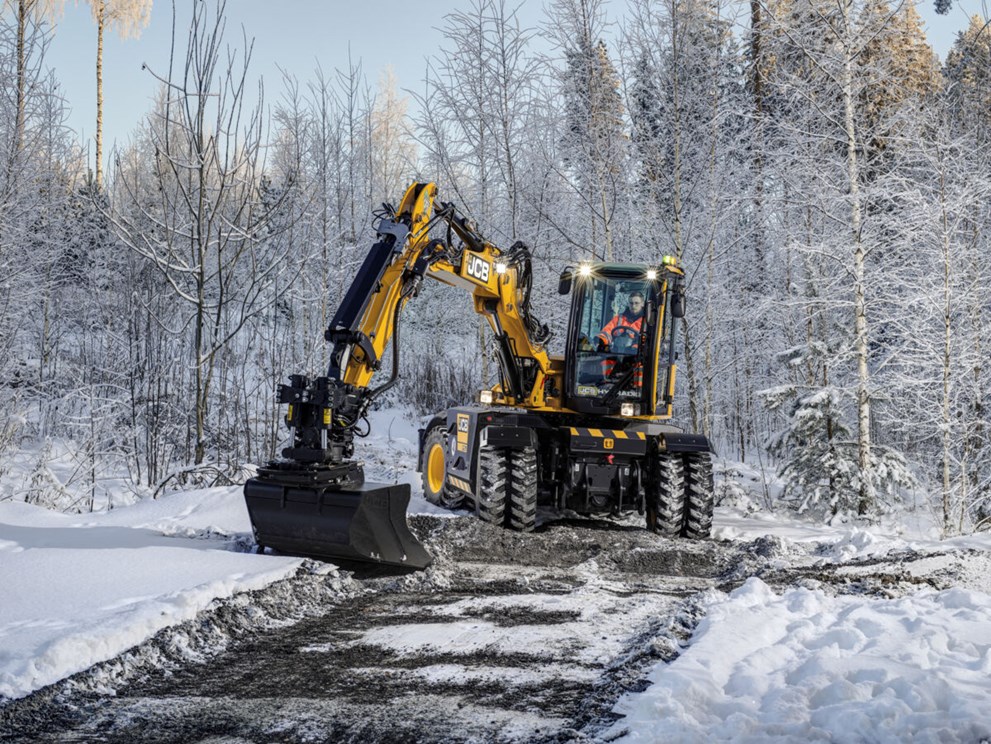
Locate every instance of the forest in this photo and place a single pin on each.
(822, 176)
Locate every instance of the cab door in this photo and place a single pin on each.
(611, 353)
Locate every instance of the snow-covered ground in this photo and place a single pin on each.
(805, 666)
(79, 589)
(799, 664)
(82, 588)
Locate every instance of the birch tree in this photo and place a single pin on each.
(29, 15)
(689, 143)
(31, 32)
(393, 152)
(127, 18)
(940, 371)
(480, 112)
(37, 176)
(594, 143)
(822, 67)
(208, 220)
(477, 129)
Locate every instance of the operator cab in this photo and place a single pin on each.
(615, 334)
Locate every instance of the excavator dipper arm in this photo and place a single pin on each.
(314, 501)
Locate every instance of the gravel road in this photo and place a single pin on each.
(508, 637)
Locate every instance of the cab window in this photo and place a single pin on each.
(609, 327)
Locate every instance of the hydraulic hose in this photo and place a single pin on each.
(394, 376)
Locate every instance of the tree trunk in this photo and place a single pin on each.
(604, 203)
(679, 244)
(865, 500)
(693, 387)
(947, 415)
(101, 9)
(23, 11)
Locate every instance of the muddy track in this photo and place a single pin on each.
(508, 637)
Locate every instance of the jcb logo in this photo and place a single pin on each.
(607, 443)
(464, 423)
(478, 268)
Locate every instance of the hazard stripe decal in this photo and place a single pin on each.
(605, 433)
(460, 484)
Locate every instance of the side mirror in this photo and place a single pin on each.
(564, 284)
(678, 302)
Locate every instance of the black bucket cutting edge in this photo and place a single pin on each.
(355, 522)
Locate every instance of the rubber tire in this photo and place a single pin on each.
(665, 495)
(523, 489)
(447, 497)
(492, 485)
(699, 496)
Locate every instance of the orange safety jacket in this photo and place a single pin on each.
(622, 325)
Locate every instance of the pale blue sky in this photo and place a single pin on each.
(296, 35)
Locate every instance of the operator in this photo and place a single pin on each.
(622, 333)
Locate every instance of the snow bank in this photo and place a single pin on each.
(842, 542)
(807, 666)
(80, 589)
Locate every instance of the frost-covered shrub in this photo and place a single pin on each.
(733, 490)
(819, 456)
(434, 377)
(45, 489)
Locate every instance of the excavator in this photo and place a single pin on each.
(588, 432)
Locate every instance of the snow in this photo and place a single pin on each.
(792, 665)
(80, 589)
(463, 637)
(805, 666)
(743, 518)
(390, 454)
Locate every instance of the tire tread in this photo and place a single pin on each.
(699, 496)
(523, 489)
(492, 485)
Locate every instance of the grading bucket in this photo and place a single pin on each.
(355, 522)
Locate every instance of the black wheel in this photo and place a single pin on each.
(523, 489)
(434, 471)
(492, 478)
(665, 495)
(699, 496)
